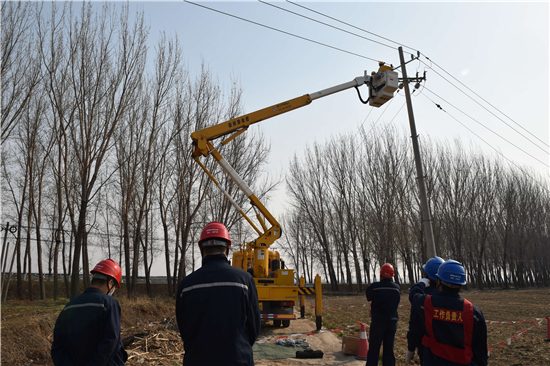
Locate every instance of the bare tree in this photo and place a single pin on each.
(196, 107)
(385, 163)
(307, 184)
(343, 169)
(142, 143)
(20, 64)
(455, 176)
(104, 77)
(55, 59)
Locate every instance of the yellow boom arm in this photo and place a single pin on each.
(202, 140)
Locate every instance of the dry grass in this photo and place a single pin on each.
(527, 349)
(151, 336)
(148, 331)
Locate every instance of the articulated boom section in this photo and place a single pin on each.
(276, 291)
(267, 236)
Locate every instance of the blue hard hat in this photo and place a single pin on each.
(452, 272)
(431, 267)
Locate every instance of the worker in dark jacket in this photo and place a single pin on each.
(456, 333)
(87, 332)
(385, 296)
(217, 306)
(416, 324)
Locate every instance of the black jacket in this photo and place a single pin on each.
(417, 328)
(385, 296)
(448, 300)
(87, 332)
(218, 315)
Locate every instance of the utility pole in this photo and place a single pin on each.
(12, 229)
(426, 217)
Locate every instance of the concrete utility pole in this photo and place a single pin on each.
(426, 217)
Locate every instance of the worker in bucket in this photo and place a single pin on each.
(217, 306)
(456, 333)
(385, 296)
(87, 332)
(416, 324)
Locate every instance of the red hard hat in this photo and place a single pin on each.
(110, 268)
(215, 230)
(387, 270)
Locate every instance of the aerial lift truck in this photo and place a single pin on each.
(277, 292)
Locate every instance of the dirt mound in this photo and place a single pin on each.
(148, 328)
(27, 339)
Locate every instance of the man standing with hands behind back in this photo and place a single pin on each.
(217, 306)
(385, 296)
(87, 332)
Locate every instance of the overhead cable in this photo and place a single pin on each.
(282, 31)
(381, 114)
(351, 25)
(507, 124)
(328, 25)
(491, 146)
(458, 109)
(445, 71)
(368, 58)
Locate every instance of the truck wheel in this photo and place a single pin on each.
(276, 322)
(286, 323)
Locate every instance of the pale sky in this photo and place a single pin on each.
(499, 50)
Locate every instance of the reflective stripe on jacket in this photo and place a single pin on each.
(385, 296)
(218, 314)
(87, 332)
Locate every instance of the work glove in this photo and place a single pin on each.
(425, 281)
(408, 357)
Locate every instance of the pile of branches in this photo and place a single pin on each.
(158, 346)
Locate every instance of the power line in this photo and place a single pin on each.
(350, 25)
(365, 57)
(479, 137)
(93, 233)
(420, 61)
(508, 141)
(379, 117)
(462, 91)
(326, 24)
(282, 31)
(367, 117)
(480, 98)
(394, 117)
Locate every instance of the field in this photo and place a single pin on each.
(510, 313)
(517, 329)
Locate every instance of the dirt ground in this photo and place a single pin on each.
(516, 329)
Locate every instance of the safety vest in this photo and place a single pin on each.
(454, 327)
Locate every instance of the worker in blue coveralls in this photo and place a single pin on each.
(217, 306)
(87, 332)
(416, 324)
(385, 296)
(456, 333)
